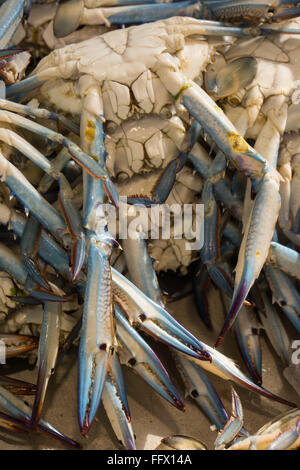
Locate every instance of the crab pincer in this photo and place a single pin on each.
(97, 334)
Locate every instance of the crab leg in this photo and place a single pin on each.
(275, 329)
(254, 247)
(38, 113)
(200, 388)
(154, 319)
(285, 294)
(18, 344)
(48, 249)
(17, 387)
(137, 354)
(248, 341)
(29, 247)
(31, 199)
(20, 411)
(202, 163)
(10, 262)
(74, 223)
(97, 335)
(115, 404)
(225, 368)
(233, 426)
(48, 349)
(11, 13)
(207, 396)
(284, 258)
(201, 283)
(72, 14)
(84, 160)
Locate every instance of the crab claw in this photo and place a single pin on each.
(284, 293)
(153, 318)
(247, 338)
(74, 223)
(97, 335)
(17, 387)
(115, 404)
(137, 354)
(29, 246)
(200, 388)
(254, 248)
(22, 412)
(225, 368)
(48, 348)
(234, 424)
(13, 63)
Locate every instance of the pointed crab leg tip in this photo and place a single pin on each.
(236, 305)
(111, 192)
(219, 341)
(78, 257)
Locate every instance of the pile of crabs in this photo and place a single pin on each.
(184, 103)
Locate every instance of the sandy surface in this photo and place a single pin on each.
(152, 417)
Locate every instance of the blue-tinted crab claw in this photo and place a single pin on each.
(254, 248)
(31, 199)
(199, 387)
(11, 13)
(11, 263)
(137, 354)
(29, 247)
(285, 294)
(284, 258)
(225, 368)
(247, 337)
(74, 223)
(41, 113)
(252, 11)
(48, 348)
(233, 426)
(13, 63)
(17, 387)
(115, 404)
(154, 319)
(287, 438)
(17, 409)
(48, 249)
(18, 344)
(97, 335)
